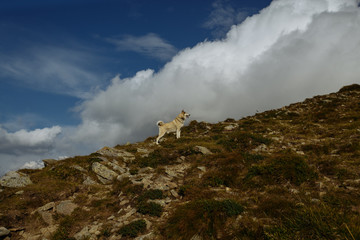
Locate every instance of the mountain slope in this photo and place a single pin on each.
(289, 173)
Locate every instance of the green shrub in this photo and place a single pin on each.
(133, 229)
(150, 208)
(156, 158)
(151, 194)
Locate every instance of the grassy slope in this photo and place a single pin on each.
(290, 173)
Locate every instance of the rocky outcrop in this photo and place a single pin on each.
(104, 174)
(15, 179)
(49, 162)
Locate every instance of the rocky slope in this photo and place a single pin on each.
(289, 173)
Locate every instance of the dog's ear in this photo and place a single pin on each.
(183, 111)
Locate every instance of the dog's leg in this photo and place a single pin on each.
(177, 133)
(161, 134)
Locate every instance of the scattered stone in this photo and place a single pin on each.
(89, 181)
(260, 148)
(174, 193)
(202, 150)
(47, 232)
(4, 232)
(202, 168)
(77, 167)
(144, 152)
(294, 191)
(230, 127)
(196, 237)
(83, 234)
(66, 207)
(15, 179)
(20, 192)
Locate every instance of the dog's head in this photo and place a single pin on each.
(184, 115)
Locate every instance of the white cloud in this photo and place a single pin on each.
(33, 165)
(150, 45)
(289, 51)
(22, 141)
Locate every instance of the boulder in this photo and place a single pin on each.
(202, 150)
(4, 232)
(49, 162)
(66, 207)
(15, 179)
(105, 175)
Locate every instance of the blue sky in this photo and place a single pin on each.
(78, 75)
(80, 38)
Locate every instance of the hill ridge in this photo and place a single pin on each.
(266, 176)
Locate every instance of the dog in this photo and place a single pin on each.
(173, 126)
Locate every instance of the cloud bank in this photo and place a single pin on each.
(291, 50)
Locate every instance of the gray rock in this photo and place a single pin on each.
(230, 127)
(49, 162)
(203, 150)
(104, 172)
(88, 181)
(15, 179)
(113, 152)
(66, 207)
(4, 232)
(83, 234)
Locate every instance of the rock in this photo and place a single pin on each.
(83, 234)
(15, 179)
(49, 162)
(113, 152)
(66, 207)
(4, 232)
(230, 127)
(46, 207)
(88, 181)
(123, 176)
(260, 148)
(144, 152)
(48, 231)
(77, 167)
(202, 168)
(174, 193)
(202, 150)
(196, 237)
(106, 175)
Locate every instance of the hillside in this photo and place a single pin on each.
(289, 173)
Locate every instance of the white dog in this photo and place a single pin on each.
(173, 126)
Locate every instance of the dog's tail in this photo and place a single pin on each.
(160, 123)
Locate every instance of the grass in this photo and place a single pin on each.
(284, 167)
(315, 222)
(205, 217)
(287, 195)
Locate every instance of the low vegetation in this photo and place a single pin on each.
(289, 173)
